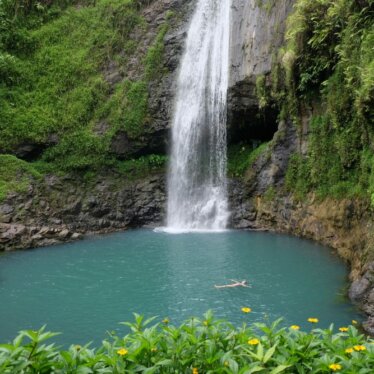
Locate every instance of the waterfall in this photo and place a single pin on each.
(197, 192)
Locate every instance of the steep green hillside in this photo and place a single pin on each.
(61, 108)
(327, 69)
(57, 91)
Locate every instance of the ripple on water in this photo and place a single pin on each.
(86, 288)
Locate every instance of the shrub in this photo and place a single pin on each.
(140, 167)
(242, 156)
(15, 175)
(197, 346)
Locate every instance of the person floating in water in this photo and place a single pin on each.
(235, 284)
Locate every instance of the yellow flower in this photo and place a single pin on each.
(153, 349)
(253, 341)
(359, 348)
(335, 367)
(195, 371)
(246, 310)
(343, 329)
(78, 347)
(122, 351)
(349, 350)
(166, 321)
(226, 363)
(313, 320)
(205, 323)
(354, 322)
(295, 327)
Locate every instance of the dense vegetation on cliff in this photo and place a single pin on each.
(326, 73)
(197, 346)
(76, 73)
(68, 84)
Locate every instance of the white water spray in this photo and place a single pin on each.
(197, 177)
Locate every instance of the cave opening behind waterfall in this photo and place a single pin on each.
(249, 129)
(252, 125)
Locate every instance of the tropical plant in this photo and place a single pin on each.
(204, 345)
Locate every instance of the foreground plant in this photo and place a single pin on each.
(203, 345)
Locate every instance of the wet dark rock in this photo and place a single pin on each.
(6, 209)
(273, 164)
(124, 147)
(361, 292)
(64, 234)
(77, 236)
(112, 73)
(359, 288)
(368, 326)
(59, 215)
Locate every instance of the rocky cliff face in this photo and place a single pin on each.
(61, 209)
(259, 200)
(257, 32)
(161, 89)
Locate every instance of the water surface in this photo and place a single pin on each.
(86, 288)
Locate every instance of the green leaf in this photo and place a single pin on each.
(84, 370)
(6, 348)
(279, 369)
(255, 369)
(166, 362)
(269, 353)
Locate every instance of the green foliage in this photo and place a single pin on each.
(266, 5)
(127, 108)
(328, 63)
(262, 92)
(153, 59)
(270, 194)
(199, 346)
(60, 84)
(142, 166)
(79, 150)
(242, 156)
(52, 58)
(367, 173)
(15, 175)
(297, 176)
(53, 61)
(333, 165)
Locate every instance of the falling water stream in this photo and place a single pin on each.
(197, 177)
